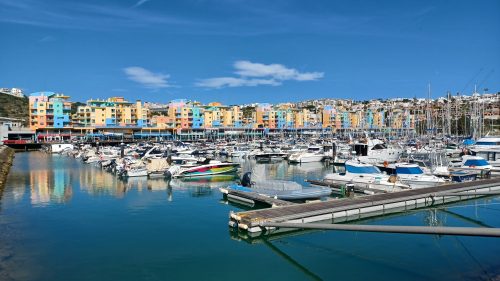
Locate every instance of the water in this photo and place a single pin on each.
(63, 220)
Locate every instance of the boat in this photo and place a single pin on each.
(270, 155)
(211, 181)
(208, 167)
(313, 154)
(414, 176)
(471, 162)
(59, 147)
(239, 151)
(257, 181)
(489, 149)
(364, 175)
(134, 172)
(157, 167)
(376, 151)
(285, 190)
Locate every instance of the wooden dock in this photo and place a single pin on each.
(348, 209)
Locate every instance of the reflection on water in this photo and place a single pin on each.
(99, 227)
(52, 183)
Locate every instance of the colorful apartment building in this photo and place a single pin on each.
(212, 117)
(261, 115)
(283, 118)
(112, 112)
(328, 117)
(49, 110)
(232, 117)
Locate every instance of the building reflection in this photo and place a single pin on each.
(49, 186)
(97, 182)
(58, 184)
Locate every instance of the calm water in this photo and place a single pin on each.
(63, 220)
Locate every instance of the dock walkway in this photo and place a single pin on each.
(250, 198)
(347, 209)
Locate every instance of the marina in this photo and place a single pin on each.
(249, 140)
(45, 191)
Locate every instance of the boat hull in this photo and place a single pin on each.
(306, 159)
(300, 194)
(209, 170)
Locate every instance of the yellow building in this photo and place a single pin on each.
(212, 117)
(113, 112)
(231, 117)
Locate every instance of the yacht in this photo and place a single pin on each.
(313, 154)
(269, 155)
(470, 162)
(489, 149)
(364, 175)
(376, 151)
(59, 147)
(414, 176)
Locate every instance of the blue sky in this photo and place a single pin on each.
(238, 52)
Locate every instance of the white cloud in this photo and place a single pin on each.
(147, 78)
(267, 74)
(221, 82)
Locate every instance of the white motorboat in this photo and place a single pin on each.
(470, 162)
(365, 176)
(135, 172)
(60, 147)
(489, 149)
(376, 151)
(313, 154)
(239, 151)
(414, 176)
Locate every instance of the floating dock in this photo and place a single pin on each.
(251, 198)
(349, 209)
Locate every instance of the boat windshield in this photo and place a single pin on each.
(362, 169)
(409, 170)
(379, 146)
(476, 162)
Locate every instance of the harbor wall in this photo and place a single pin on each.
(6, 159)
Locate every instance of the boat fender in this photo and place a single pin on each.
(386, 164)
(392, 179)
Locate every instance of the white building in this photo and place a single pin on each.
(16, 92)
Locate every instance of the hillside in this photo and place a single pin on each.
(14, 107)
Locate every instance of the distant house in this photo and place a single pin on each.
(12, 91)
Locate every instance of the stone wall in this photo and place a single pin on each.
(6, 159)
